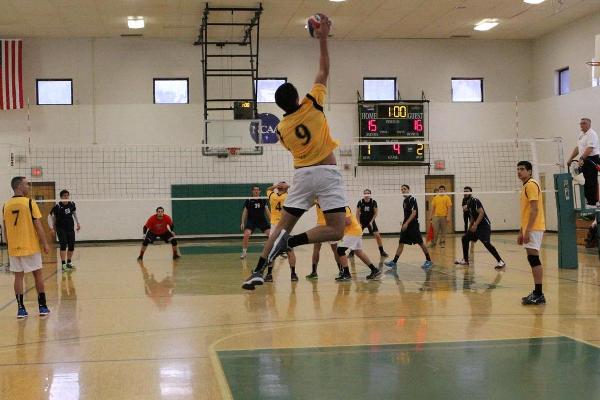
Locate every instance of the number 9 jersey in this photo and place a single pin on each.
(21, 236)
(305, 132)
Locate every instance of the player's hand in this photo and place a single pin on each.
(525, 237)
(242, 227)
(520, 238)
(78, 227)
(323, 30)
(448, 220)
(404, 227)
(473, 228)
(46, 248)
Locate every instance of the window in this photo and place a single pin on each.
(171, 90)
(266, 87)
(467, 90)
(54, 92)
(379, 88)
(563, 77)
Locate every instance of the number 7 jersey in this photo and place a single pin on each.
(21, 236)
(305, 132)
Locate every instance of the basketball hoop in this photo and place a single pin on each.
(233, 152)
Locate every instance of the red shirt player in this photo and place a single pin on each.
(159, 225)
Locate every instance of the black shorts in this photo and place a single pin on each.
(263, 225)
(482, 233)
(372, 227)
(65, 236)
(412, 235)
(151, 236)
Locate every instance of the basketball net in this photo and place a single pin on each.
(233, 152)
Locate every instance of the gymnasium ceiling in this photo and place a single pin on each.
(352, 19)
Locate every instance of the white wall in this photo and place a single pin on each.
(113, 97)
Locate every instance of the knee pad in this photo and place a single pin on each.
(146, 242)
(341, 251)
(174, 242)
(534, 261)
(63, 247)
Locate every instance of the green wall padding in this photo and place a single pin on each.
(198, 217)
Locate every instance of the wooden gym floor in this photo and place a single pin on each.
(186, 330)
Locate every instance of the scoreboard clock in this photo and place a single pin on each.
(397, 122)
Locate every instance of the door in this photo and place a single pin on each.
(433, 182)
(45, 191)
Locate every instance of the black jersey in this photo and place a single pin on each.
(465, 202)
(472, 206)
(367, 209)
(64, 215)
(256, 209)
(410, 204)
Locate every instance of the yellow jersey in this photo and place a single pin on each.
(276, 201)
(440, 205)
(354, 228)
(21, 236)
(320, 215)
(532, 191)
(305, 132)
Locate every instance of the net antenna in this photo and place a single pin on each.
(595, 70)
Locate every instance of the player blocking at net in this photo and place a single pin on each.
(305, 133)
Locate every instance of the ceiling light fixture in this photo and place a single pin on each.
(135, 22)
(337, 1)
(534, 1)
(486, 24)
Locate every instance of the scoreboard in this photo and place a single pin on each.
(397, 122)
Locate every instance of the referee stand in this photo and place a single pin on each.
(567, 215)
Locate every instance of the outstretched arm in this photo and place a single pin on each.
(322, 33)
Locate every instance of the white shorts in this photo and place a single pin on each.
(535, 240)
(25, 263)
(323, 182)
(351, 242)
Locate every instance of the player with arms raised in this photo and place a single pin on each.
(304, 131)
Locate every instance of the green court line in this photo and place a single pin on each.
(218, 249)
(535, 368)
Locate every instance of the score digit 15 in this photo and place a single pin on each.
(372, 125)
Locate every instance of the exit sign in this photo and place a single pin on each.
(37, 171)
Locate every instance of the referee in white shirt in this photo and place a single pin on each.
(589, 158)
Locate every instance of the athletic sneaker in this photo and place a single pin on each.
(461, 262)
(44, 311)
(243, 255)
(140, 258)
(342, 277)
(22, 313)
(500, 265)
(176, 256)
(383, 254)
(374, 274)
(427, 264)
(269, 278)
(253, 280)
(312, 276)
(533, 299)
(390, 264)
(279, 247)
(294, 277)
(70, 266)
(64, 266)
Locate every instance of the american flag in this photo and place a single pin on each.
(11, 74)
